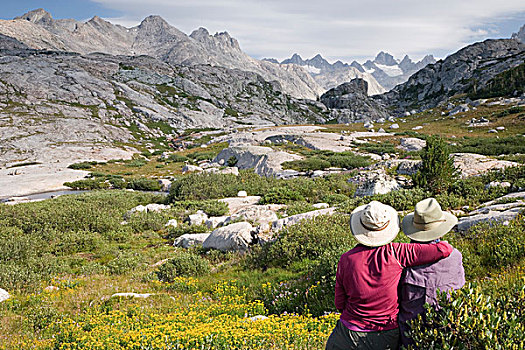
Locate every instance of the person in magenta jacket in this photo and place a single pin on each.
(367, 279)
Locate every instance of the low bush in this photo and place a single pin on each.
(281, 195)
(176, 158)
(87, 184)
(210, 207)
(327, 159)
(183, 229)
(491, 146)
(143, 184)
(124, 262)
(298, 208)
(82, 165)
(472, 318)
(183, 264)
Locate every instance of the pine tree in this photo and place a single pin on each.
(437, 173)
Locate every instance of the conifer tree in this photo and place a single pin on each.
(437, 173)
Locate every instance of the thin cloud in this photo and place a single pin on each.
(338, 29)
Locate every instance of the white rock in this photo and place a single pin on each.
(419, 127)
(242, 194)
(318, 173)
(467, 222)
(500, 128)
(215, 221)
(321, 205)
(492, 131)
(50, 289)
(4, 295)
(188, 168)
(503, 184)
(165, 185)
(152, 207)
(171, 223)
(237, 203)
(234, 237)
(411, 144)
(381, 130)
(231, 170)
(394, 126)
(256, 214)
(190, 240)
(198, 218)
(131, 295)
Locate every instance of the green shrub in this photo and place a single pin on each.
(378, 148)
(335, 198)
(437, 172)
(143, 184)
(183, 264)
(210, 207)
(281, 195)
(473, 319)
(182, 229)
(308, 164)
(348, 160)
(87, 184)
(298, 208)
(124, 262)
(177, 158)
(82, 165)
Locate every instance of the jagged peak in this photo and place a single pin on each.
(406, 59)
(153, 20)
(201, 32)
(385, 58)
(35, 16)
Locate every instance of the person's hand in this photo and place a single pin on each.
(445, 248)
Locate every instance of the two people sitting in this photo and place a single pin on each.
(381, 286)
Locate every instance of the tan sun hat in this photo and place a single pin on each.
(374, 224)
(428, 222)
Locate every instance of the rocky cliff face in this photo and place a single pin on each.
(349, 103)
(520, 35)
(466, 70)
(329, 75)
(53, 102)
(153, 37)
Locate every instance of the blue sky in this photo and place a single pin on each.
(337, 29)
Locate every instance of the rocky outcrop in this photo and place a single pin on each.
(500, 210)
(263, 160)
(234, 237)
(470, 164)
(374, 182)
(190, 239)
(349, 103)
(411, 144)
(520, 35)
(467, 70)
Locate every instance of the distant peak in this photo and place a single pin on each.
(200, 33)
(385, 58)
(295, 59)
(152, 20)
(35, 16)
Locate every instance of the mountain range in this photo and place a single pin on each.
(156, 38)
(381, 74)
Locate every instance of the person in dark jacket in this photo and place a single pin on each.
(419, 285)
(367, 279)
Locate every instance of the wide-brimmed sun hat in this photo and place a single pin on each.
(428, 222)
(374, 224)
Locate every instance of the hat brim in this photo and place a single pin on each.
(371, 238)
(420, 235)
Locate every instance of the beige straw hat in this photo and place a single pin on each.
(374, 224)
(428, 222)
